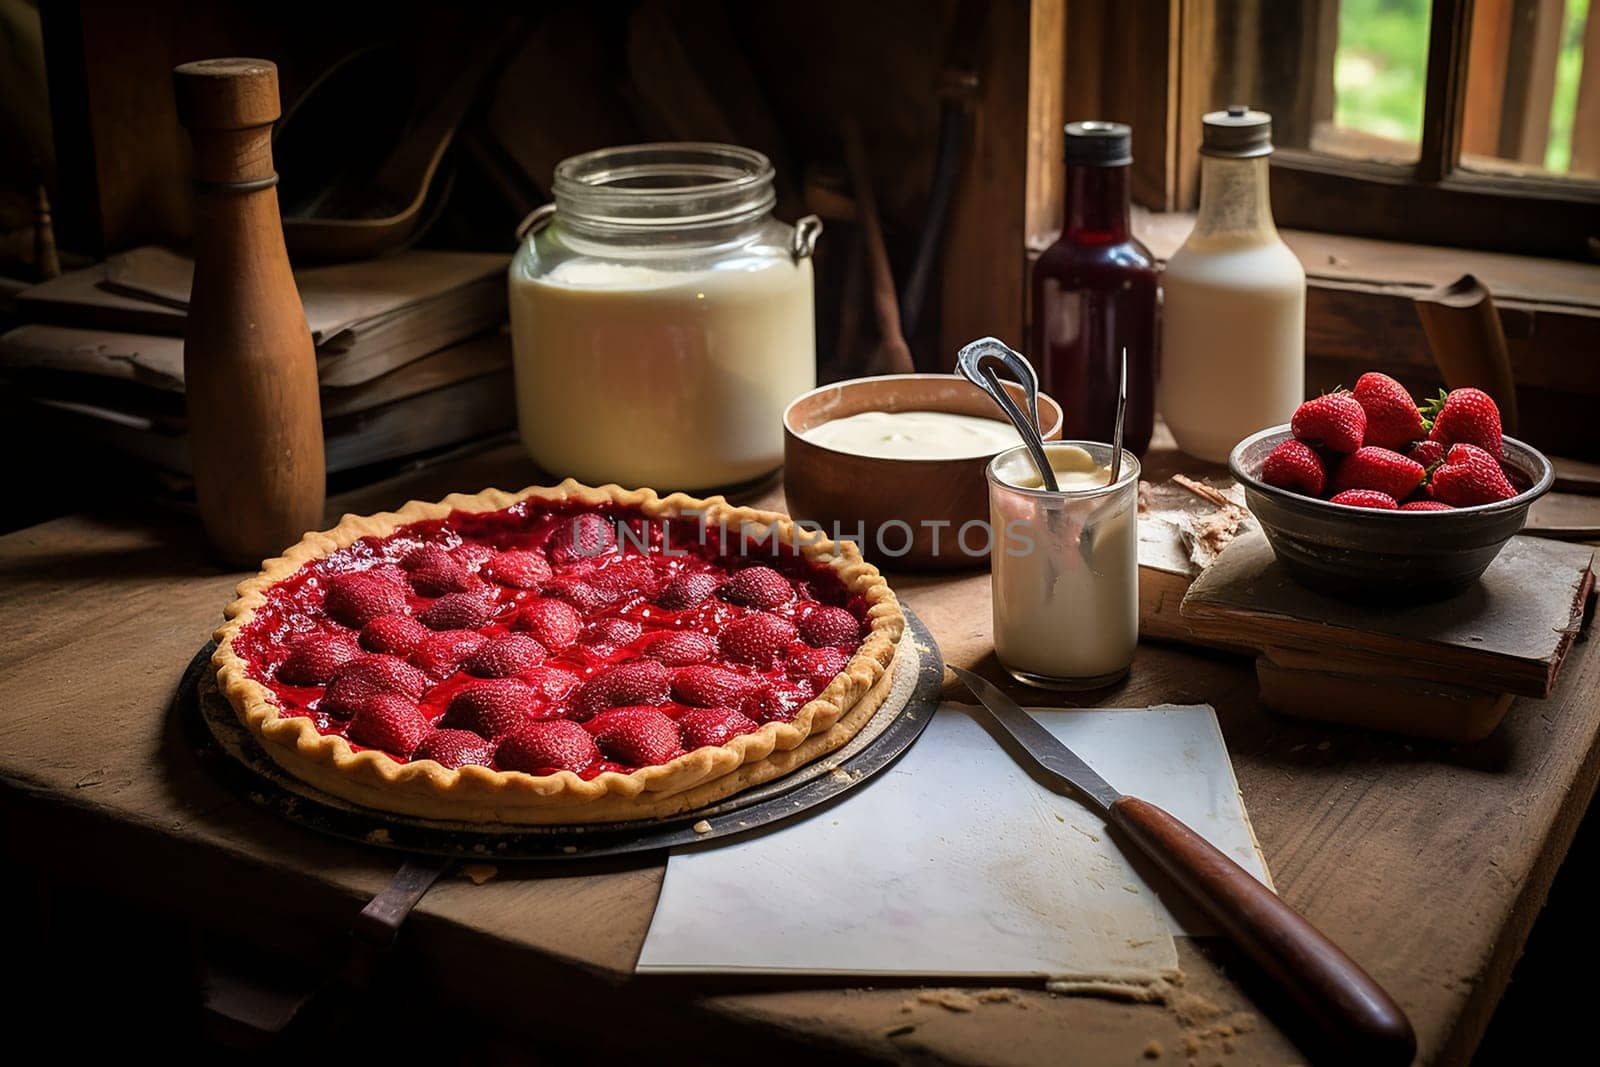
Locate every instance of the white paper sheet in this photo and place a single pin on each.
(955, 862)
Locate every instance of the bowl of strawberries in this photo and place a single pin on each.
(1367, 496)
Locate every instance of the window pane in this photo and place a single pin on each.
(1533, 93)
(1346, 77)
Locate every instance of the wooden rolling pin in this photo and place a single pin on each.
(250, 371)
(1468, 342)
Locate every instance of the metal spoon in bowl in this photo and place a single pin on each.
(976, 363)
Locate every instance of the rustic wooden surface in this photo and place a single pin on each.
(1427, 864)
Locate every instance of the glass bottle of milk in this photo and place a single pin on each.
(1234, 301)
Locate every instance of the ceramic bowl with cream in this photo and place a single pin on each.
(896, 463)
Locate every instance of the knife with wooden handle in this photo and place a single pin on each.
(1341, 998)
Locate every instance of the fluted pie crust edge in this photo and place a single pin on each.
(426, 789)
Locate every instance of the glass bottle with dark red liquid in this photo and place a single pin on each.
(1094, 291)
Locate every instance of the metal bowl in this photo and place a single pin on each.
(1371, 555)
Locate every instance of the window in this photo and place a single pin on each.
(1461, 122)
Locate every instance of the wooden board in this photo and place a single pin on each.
(1507, 634)
(1428, 864)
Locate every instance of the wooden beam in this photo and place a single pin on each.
(1047, 84)
(1446, 98)
(1486, 76)
(1197, 93)
(1586, 117)
(1530, 79)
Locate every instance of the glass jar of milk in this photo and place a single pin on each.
(1233, 316)
(661, 318)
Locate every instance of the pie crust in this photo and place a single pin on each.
(474, 793)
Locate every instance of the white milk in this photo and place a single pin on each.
(1065, 569)
(670, 379)
(915, 435)
(1233, 318)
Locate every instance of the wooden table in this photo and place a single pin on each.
(1427, 864)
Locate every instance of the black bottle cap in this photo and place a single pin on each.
(1099, 144)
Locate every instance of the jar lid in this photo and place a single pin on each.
(1237, 133)
(1099, 144)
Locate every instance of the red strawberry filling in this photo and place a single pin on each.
(543, 620)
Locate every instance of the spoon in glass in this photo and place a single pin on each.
(976, 362)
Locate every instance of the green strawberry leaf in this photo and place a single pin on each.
(1430, 410)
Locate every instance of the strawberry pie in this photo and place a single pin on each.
(557, 655)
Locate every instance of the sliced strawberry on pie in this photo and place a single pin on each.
(706, 686)
(394, 634)
(368, 676)
(316, 656)
(584, 536)
(758, 587)
(713, 726)
(547, 747)
(520, 569)
(552, 684)
(830, 627)
(455, 749)
(457, 611)
(679, 648)
(503, 656)
(817, 666)
(491, 708)
(356, 599)
(628, 576)
(441, 654)
(578, 593)
(390, 721)
(605, 636)
(640, 682)
(555, 624)
(757, 639)
(636, 736)
(687, 590)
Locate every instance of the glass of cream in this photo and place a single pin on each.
(1064, 566)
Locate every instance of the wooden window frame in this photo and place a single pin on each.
(1435, 200)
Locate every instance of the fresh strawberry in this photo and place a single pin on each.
(519, 569)
(1295, 466)
(1378, 468)
(680, 648)
(316, 656)
(705, 686)
(547, 747)
(758, 587)
(457, 611)
(687, 590)
(454, 749)
(1334, 421)
(394, 634)
(585, 536)
(1427, 453)
(641, 682)
(713, 726)
(636, 736)
(579, 593)
(1465, 417)
(367, 676)
(1470, 475)
(817, 666)
(628, 576)
(554, 623)
(491, 708)
(1425, 505)
(604, 636)
(826, 626)
(1393, 420)
(756, 639)
(441, 654)
(1365, 498)
(503, 656)
(358, 598)
(389, 721)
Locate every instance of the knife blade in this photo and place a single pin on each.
(1342, 999)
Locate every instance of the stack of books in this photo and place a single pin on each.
(412, 353)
